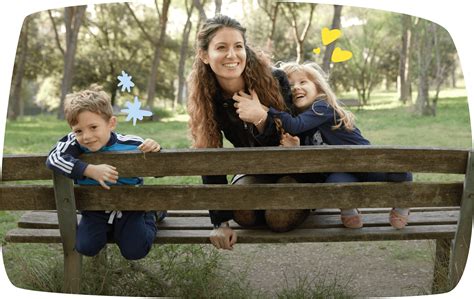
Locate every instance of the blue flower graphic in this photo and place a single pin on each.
(125, 81)
(134, 111)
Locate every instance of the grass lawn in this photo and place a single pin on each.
(181, 268)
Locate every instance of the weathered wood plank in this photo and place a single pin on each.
(189, 162)
(66, 206)
(441, 266)
(264, 236)
(463, 234)
(237, 197)
(50, 221)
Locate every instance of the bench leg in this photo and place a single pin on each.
(441, 266)
(67, 219)
(72, 271)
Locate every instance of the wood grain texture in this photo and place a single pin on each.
(189, 162)
(47, 220)
(264, 236)
(236, 197)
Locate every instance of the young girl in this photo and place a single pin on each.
(320, 119)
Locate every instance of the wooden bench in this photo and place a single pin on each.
(441, 210)
(351, 103)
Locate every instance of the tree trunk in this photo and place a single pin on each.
(405, 65)
(336, 24)
(270, 8)
(16, 101)
(425, 48)
(453, 75)
(200, 7)
(182, 58)
(73, 17)
(151, 88)
(218, 7)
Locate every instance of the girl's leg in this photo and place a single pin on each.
(398, 217)
(350, 218)
(285, 220)
(248, 218)
(134, 233)
(91, 235)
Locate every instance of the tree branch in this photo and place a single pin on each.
(56, 35)
(147, 36)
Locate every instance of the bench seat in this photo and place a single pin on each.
(189, 227)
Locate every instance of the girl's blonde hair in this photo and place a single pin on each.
(203, 84)
(316, 74)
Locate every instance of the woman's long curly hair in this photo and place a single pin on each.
(203, 84)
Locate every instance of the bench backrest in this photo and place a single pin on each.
(186, 162)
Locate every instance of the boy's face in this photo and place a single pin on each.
(92, 130)
(304, 90)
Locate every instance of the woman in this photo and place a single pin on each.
(225, 67)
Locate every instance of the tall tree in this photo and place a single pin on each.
(16, 105)
(158, 45)
(200, 6)
(405, 60)
(271, 9)
(112, 46)
(336, 24)
(73, 17)
(424, 56)
(293, 15)
(183, 53)
(218, 7)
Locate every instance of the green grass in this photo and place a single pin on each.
(193, 271)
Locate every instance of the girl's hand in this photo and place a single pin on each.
(249, 108)
(149, 145)
(102, 173)
(288, 140)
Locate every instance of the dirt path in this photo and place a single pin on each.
(387, 268)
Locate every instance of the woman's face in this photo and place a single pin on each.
(303, 89)
(226, 55)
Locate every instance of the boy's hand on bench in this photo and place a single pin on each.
(102, 173)
(149, 145)
(223, 238)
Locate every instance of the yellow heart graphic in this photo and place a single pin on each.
(328, 36)
(316, 50)
(340, 55)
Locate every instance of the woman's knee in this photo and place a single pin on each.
(248, 218)
(285, 220)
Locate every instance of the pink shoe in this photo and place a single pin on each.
(398, 220)
(352, 221)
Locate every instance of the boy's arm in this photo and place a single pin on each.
(63, 158)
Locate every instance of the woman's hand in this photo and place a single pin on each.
(249, 108)
(149, 145)
(288, 140)
(102, 173)
(223, 238)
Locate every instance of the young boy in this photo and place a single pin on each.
(89, 114)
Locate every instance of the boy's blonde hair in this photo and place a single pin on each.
(316, 74)
(93, 99)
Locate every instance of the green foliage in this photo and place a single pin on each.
(320, 287)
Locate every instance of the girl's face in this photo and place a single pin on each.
(304, 90)
(226, 55)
